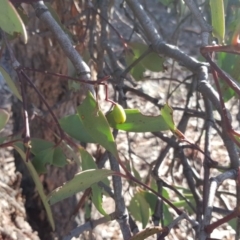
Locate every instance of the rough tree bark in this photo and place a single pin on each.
(44, 53)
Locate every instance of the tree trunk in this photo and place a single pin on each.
(42, 54)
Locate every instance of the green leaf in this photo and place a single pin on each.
(89, 163)
(233, 223)
(38, 184)
(80, 182)
(71, 153)
(152, 200)
(218, 19)
(229, 63)
(96, 124)
(167, 114)
(45, 153)
(137, 122)
(38, 145)
(75, 128)
(4, 116)
(136, 173)
(10, 21)
(10, 83)
(59, 158)
(139, 208)
(137, 71)
(97, 198)
(152, 61)
(167, 215)
(87, 210)
(42, 158)
(87, 160)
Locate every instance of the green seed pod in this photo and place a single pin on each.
(119, 114)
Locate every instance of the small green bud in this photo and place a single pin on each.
(119, 114)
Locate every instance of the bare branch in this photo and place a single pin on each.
(157, 43)
(45, 16)
(206, 28)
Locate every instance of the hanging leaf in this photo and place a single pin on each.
(4, 116)
(87, 160)
(10, 83)
(42, 158)
(87, 210)
(80, 182)
(229, 63)
(59, 158)
(18, 147)
(167, 114)
(97, 198)
(218, 19)
(168, 218)
(136, 173)
(138, 70)
(233, 223)
(38, 145)
(96, 124)
(45, 153)
(139, 208)
(152, 200)
(75, 128)
(152, 61)
(71, 153)
(137, 122)
(10, 21)
(89, 163)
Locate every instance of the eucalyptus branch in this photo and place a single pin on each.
(45, 16)
(104, 35)
(208, 126)
(214, 184)
(88, 226)
(121, 210)
(205, 27)
(207, 90)
(158, 44)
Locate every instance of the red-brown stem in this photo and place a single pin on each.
(81, 201)
(223, 75)
(46, 104)
(225, 219)
(217, 71)
(132, 178)
(10, 143)
(234, 49)
(64, 77)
